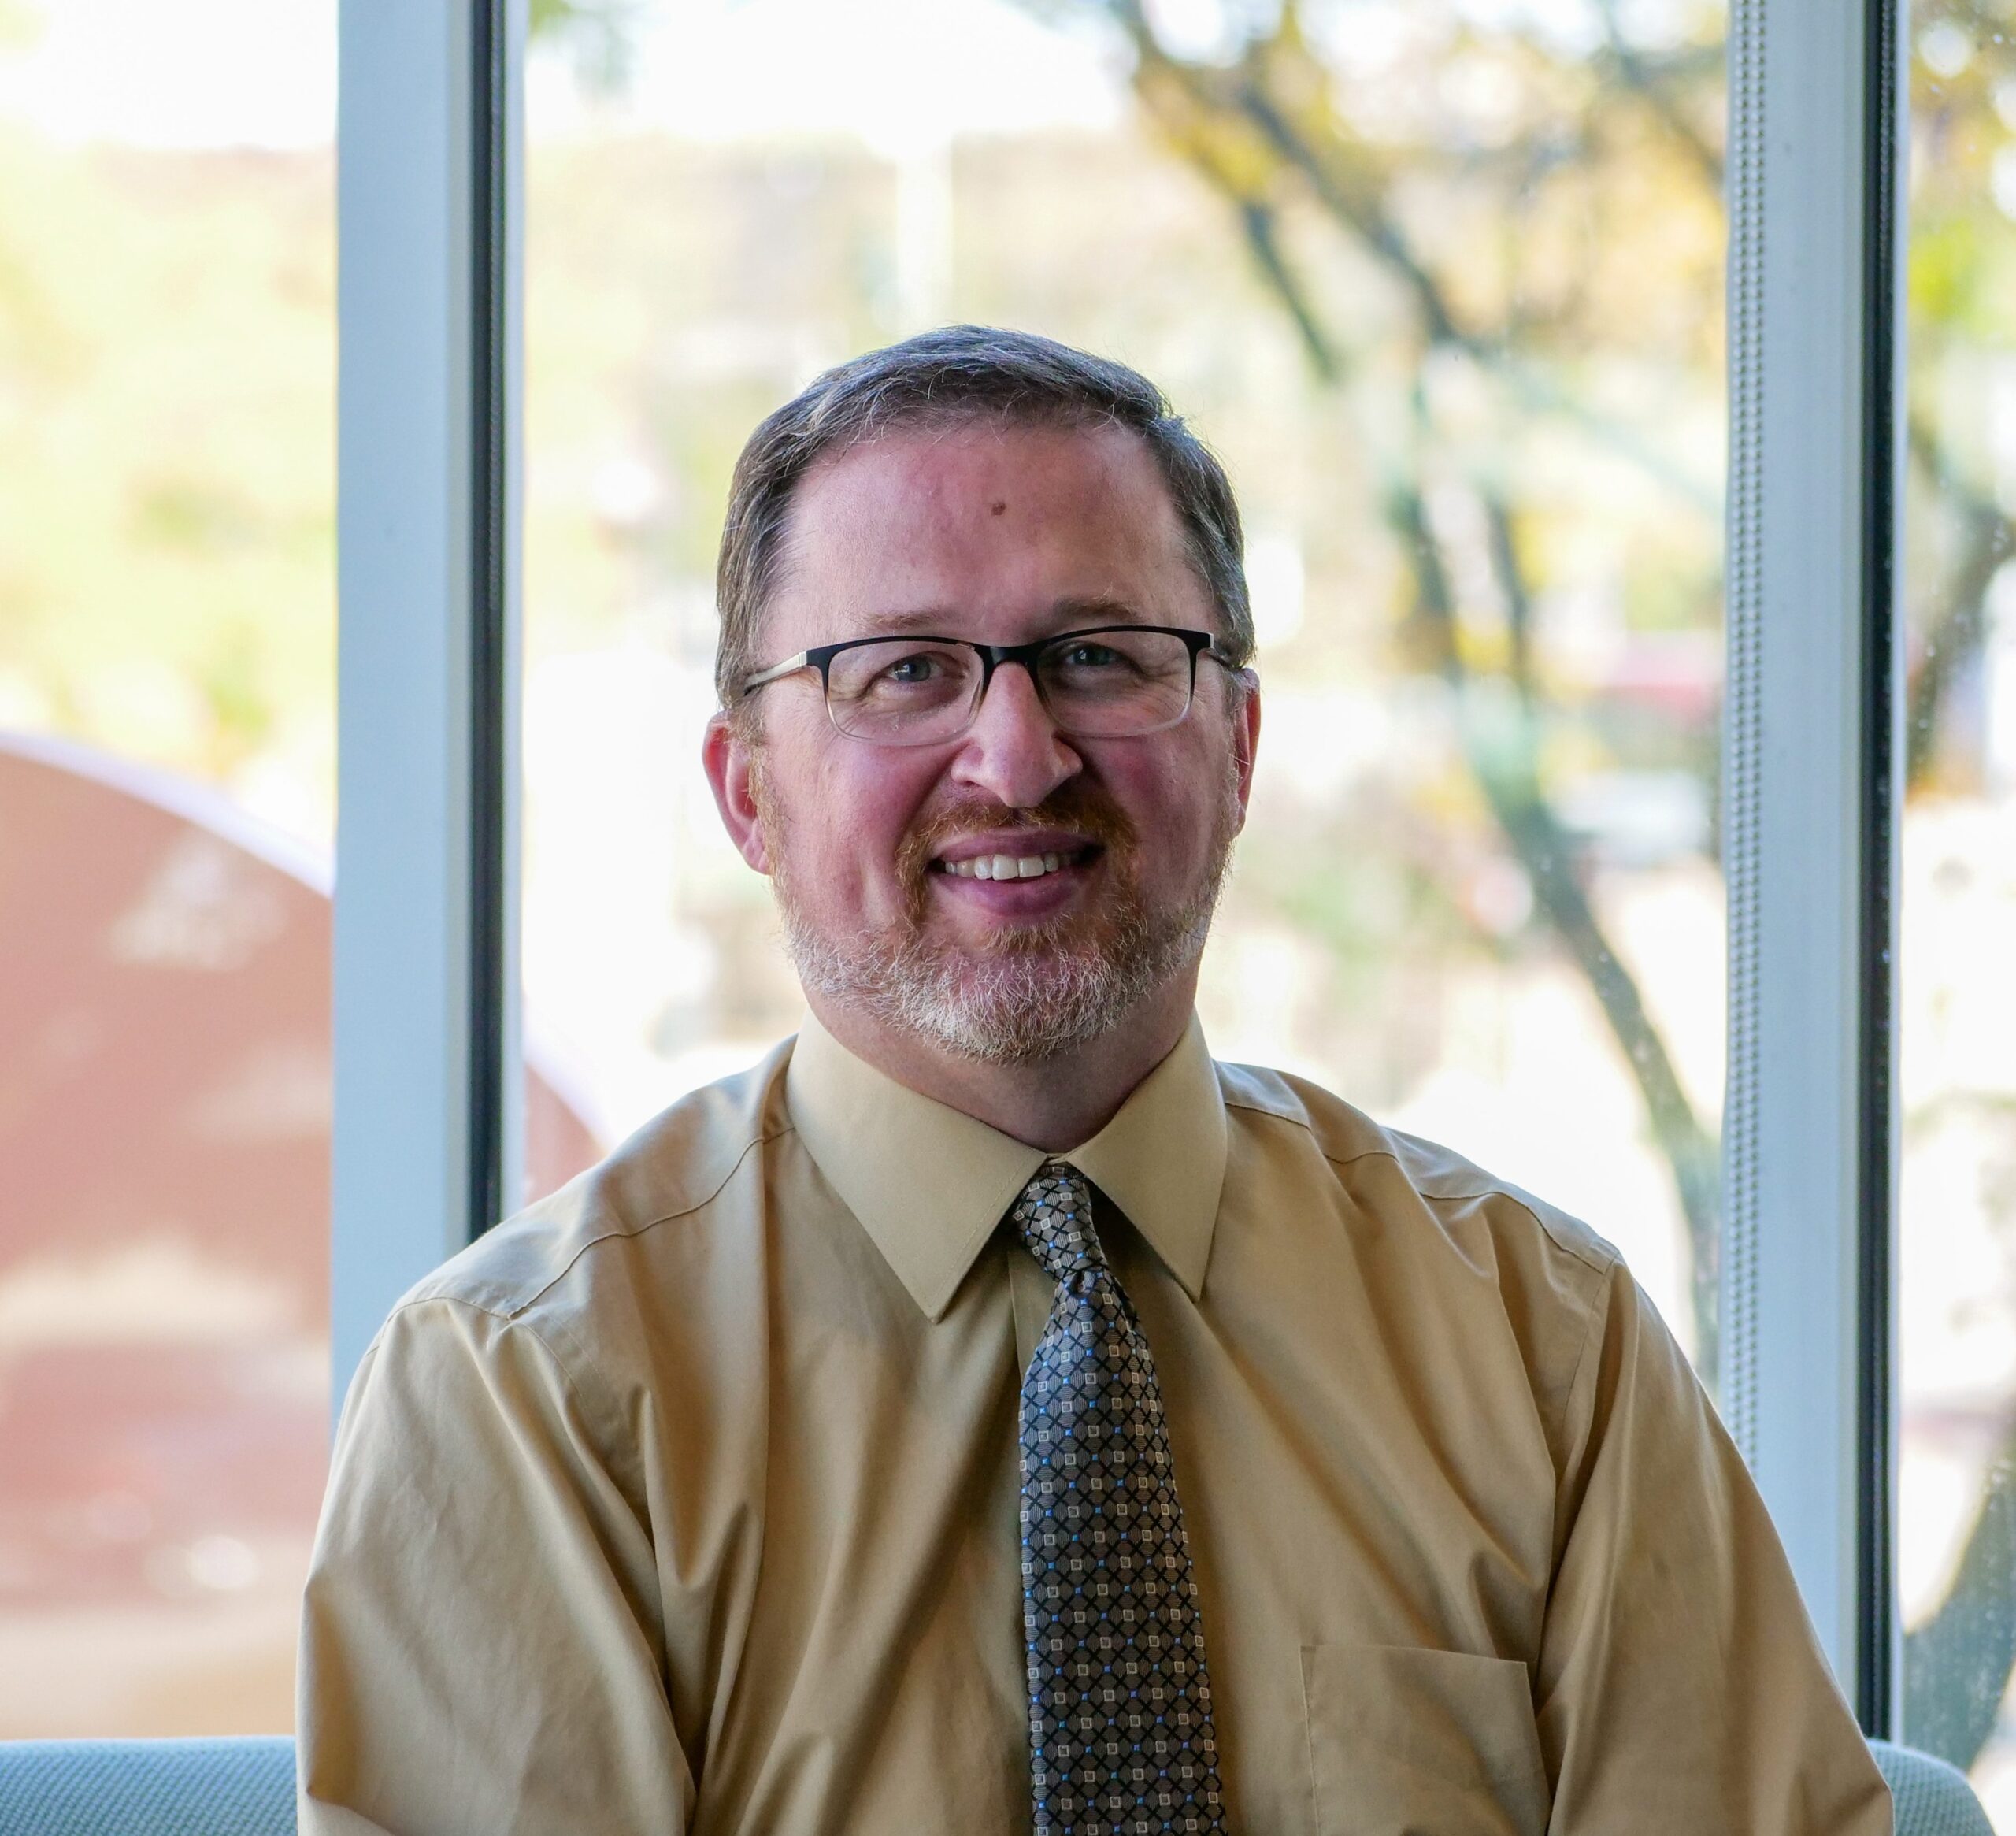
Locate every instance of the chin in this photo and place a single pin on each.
(1027, 996)
(1021, 993)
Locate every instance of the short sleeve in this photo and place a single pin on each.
(1681, 1687)
(480, 1648)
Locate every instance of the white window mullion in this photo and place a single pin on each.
(425, 964)
(1810, 784)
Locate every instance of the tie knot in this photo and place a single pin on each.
(1053, 1217)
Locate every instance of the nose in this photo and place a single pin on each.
(1013, 751)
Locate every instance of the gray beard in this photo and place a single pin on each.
(1038, 993)
(1032, 1000)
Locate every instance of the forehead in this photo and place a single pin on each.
(990, 525)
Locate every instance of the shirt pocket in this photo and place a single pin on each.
(1406, 1742)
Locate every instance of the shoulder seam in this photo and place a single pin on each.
(518, 1306)
(568, 1370)
(748, 1147)
(1300, 1121)
(1597, 1265)
(510, 1321)
(561, 1273)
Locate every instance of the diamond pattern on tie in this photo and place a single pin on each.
(1119, 1709)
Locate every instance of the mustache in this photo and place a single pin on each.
(1079, 808)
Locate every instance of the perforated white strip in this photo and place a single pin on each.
(1742, 714)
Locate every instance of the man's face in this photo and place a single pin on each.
(1001, 535)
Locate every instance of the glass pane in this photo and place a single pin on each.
(1957, 1529)
(1442, 282)
(166, 737)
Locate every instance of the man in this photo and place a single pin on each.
(988, 1414)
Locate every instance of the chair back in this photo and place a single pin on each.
(245, 1787)
(1932, 1798)
(240, 1787)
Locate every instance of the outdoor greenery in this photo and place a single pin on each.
(166, 413)
(1496, 237)
(1538, 199)
(1544, 199)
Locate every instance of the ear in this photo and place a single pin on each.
(729, 761)
(1246, 736)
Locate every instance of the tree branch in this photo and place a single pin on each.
(1953, 631)
(1256, 223)
(1648, 86)
(1510, 779)
(1364, 221)
(1956, 1664)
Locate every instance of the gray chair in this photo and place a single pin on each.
(246, 1787)
(1932, 1799)
(242, 1787)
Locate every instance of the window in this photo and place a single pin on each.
(1441, 281)
(1443, 285)
(1957, 1293)
(167, 728)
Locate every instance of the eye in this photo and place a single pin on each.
(1089, 654)
(912, 671)
(906, 670)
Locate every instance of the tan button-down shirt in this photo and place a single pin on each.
(688, 1501)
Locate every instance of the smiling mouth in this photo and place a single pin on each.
(1007, 866)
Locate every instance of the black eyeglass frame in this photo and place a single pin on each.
(820, 657)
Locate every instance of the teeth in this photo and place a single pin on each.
(1005, 866)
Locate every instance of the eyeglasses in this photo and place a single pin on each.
(1110, 682)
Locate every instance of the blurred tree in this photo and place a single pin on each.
(1493, 229)
(1960, 281)
(1503, 178)
(1492, 186)
(600, 35)
(166, 392)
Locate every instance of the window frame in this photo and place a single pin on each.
(428, 1134)
(428, 1131)
(1812, 786)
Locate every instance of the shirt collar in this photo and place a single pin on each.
(929, 1184)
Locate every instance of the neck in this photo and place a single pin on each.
(1055, 1105)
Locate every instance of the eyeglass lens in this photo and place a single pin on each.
(912, 692)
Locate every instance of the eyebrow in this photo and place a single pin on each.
(1069, 613)
(929, 619)
(1099, 611)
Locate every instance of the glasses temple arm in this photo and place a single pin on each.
(790, 666)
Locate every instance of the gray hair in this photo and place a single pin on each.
(955, 374)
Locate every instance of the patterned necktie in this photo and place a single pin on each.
(1120, 1707)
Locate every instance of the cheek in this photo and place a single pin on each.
(1173, 800)
(848, 813)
